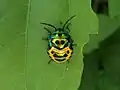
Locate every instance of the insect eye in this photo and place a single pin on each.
(57, 42)
(62, 41)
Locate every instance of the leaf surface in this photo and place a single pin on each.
(40, 75)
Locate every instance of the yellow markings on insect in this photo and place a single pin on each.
(59, 42)
(63, 55)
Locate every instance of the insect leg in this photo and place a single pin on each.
(74, 44)
(45, 38)
(68, 61)
(49, 61)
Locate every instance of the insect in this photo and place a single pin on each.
(60, 43)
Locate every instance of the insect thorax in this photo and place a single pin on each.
(60, 40)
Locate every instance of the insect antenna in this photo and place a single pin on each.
(47, 30)
(49, 25)
(68, 21)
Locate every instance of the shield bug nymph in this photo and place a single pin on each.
(60, 43)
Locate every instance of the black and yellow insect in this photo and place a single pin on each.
(60, 43)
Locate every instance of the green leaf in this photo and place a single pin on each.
(12, 52)
(23, 57)
(114, 8)
(40, 75)
(110, 56)
(107, 26)
(102, 64)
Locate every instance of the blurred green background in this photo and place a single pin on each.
(102, 53)
(102, 65)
